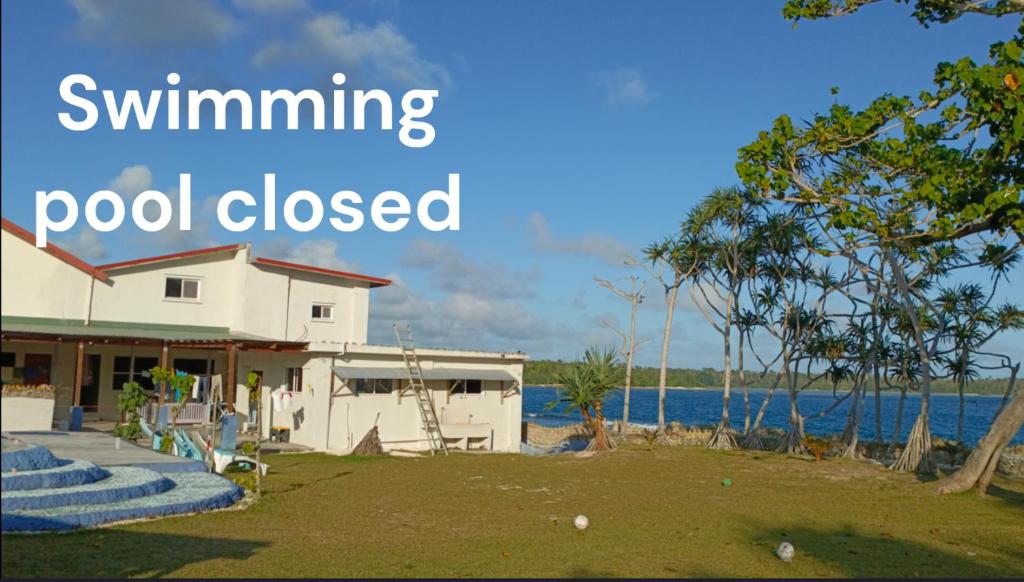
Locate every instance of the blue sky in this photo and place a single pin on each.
(582, 130)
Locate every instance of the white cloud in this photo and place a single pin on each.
(452, 271)
(153, 23)
(315, 252)
(599, 246)
(85, 245)
(272, 6)
(624, 87)
(376, 51)
(132, 181)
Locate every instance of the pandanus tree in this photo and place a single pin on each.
(670, 261)
(584, 387)
(718, 231)
(904, 173)
(789, 303)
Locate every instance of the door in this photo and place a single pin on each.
(91, 383)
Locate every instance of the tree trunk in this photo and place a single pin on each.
(629, 366)
(601, 441)
(1009, 388)
(670, 299)
(876, 378)
(917, 455)
(960, 393)
(793, 443)
(722, 438)
(982, 462)
(746, 390)
(753, 438)
(897, 426)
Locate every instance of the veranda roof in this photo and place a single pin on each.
(44, 328)
(400, 373)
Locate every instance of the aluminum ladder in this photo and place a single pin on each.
(423, 401)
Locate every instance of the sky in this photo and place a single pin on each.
(581, 130)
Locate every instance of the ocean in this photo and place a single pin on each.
(704, 407)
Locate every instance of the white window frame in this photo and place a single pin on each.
(199, 288)
(321, 306)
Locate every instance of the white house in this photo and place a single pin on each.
(224, 311)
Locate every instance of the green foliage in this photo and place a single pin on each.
(925, 11)
(908, 171)
(585, 384)
(132, 398)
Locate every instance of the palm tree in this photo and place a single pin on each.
(585, 385)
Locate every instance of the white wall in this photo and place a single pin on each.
(38, 284)
(399, 424)
(277, 300)
(137, 293)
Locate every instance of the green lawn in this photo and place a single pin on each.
(652, 513)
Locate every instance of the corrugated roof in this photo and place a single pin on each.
(172, 257)
(385, 373)
(373, 281)
(121, 329)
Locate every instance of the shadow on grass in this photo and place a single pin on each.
(109, 553)
(859, 554)
(1009, 496)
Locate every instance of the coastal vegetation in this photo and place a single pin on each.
(546, 372)
(865, 249)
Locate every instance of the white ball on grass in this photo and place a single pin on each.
(785, 552)
(581, 522)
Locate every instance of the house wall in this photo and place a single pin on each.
(265, 302)
(399, 424)
(38, 284)
(328, 415)
(136, 294)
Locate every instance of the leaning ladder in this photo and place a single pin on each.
(423, 400)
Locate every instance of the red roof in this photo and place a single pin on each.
(171, 257)
(373, 281)
(54, 250)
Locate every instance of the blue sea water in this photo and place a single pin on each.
(704, 407)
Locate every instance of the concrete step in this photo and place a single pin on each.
(192, 492)
(17, 456)
(124, 483)
(72, 474)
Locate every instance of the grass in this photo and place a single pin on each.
(652, 513)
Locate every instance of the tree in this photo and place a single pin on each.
(585, 385)
(718, 233)
(635, 296)
(669, 254)
(906, 174)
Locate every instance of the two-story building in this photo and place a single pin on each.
(222, 313)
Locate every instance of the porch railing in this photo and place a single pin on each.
(191, 413)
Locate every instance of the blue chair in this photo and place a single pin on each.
(185, 447)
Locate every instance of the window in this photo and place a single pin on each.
(294, 379)
(322, 312)
(465, 387)
(133, 369)
(37, 368)
(181, 288)
(194, 366)
(374, 386)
